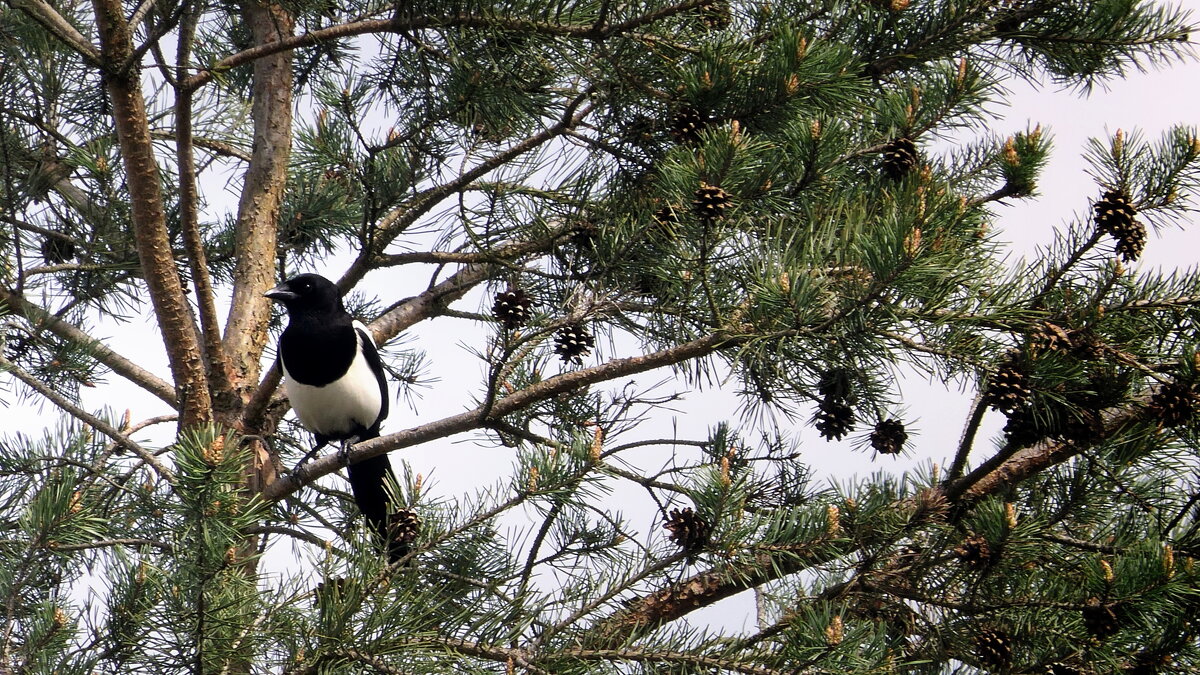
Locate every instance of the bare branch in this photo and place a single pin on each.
(411, 311)
(86, 417)
(732, 665)
(120, 365)
(301, 535)
(400, 218)
(501, 253)
(406, 24)
(54, 22)
(480, 416)
(109, 543)
(218, 147)
(219, 371)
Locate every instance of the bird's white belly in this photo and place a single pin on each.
(327, 410)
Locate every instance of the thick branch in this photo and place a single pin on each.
(501, 253)
(411, 311)
(480, 416)
(219, 372)
(708, 663)
(707, 587)
(54, 22)
(149, 219)
(262, 194)
(1021, 464)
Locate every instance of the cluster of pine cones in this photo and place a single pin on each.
(513, 308)
(1074, 415)
(835, 416)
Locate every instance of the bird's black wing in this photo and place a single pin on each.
(369, 478)
(371, 354)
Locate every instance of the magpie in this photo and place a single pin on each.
(334, 379)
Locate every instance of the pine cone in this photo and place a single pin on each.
(1113, 211)
(1131, 241)
(1009, 18)
(835, 384)
(1008, 388)
(1085, 345)
(56, 250)
(834, 419)
(1115, 217)
(513, 308)
(974, 551)
(403, 526)
(899, 158)
(1173, 405)
(1022, 429)
(1049, 337)
(332, 588)
(1082, 426)
(1148, 662)
(584, 234)
(889, 437)
(711, 201)
(687, 124)
(572, 343)
(1100, 620)
(666, 216)
(688, 529)
(994, 648)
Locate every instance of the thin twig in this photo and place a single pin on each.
(103, 543)
(967, 441)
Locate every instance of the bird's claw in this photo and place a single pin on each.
(343, 454)
(298, 473)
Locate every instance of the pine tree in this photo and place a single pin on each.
(743, 192)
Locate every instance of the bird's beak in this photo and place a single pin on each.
(281, 293)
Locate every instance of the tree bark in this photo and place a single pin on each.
(149, 217)
(217, 361)
(262, 195)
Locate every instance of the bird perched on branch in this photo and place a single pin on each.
(334, 379)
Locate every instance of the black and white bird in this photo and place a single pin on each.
(334, 379)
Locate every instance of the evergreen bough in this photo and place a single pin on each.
(743, 193)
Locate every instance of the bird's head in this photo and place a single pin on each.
(307, 292)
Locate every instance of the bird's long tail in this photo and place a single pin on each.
(368, 479)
